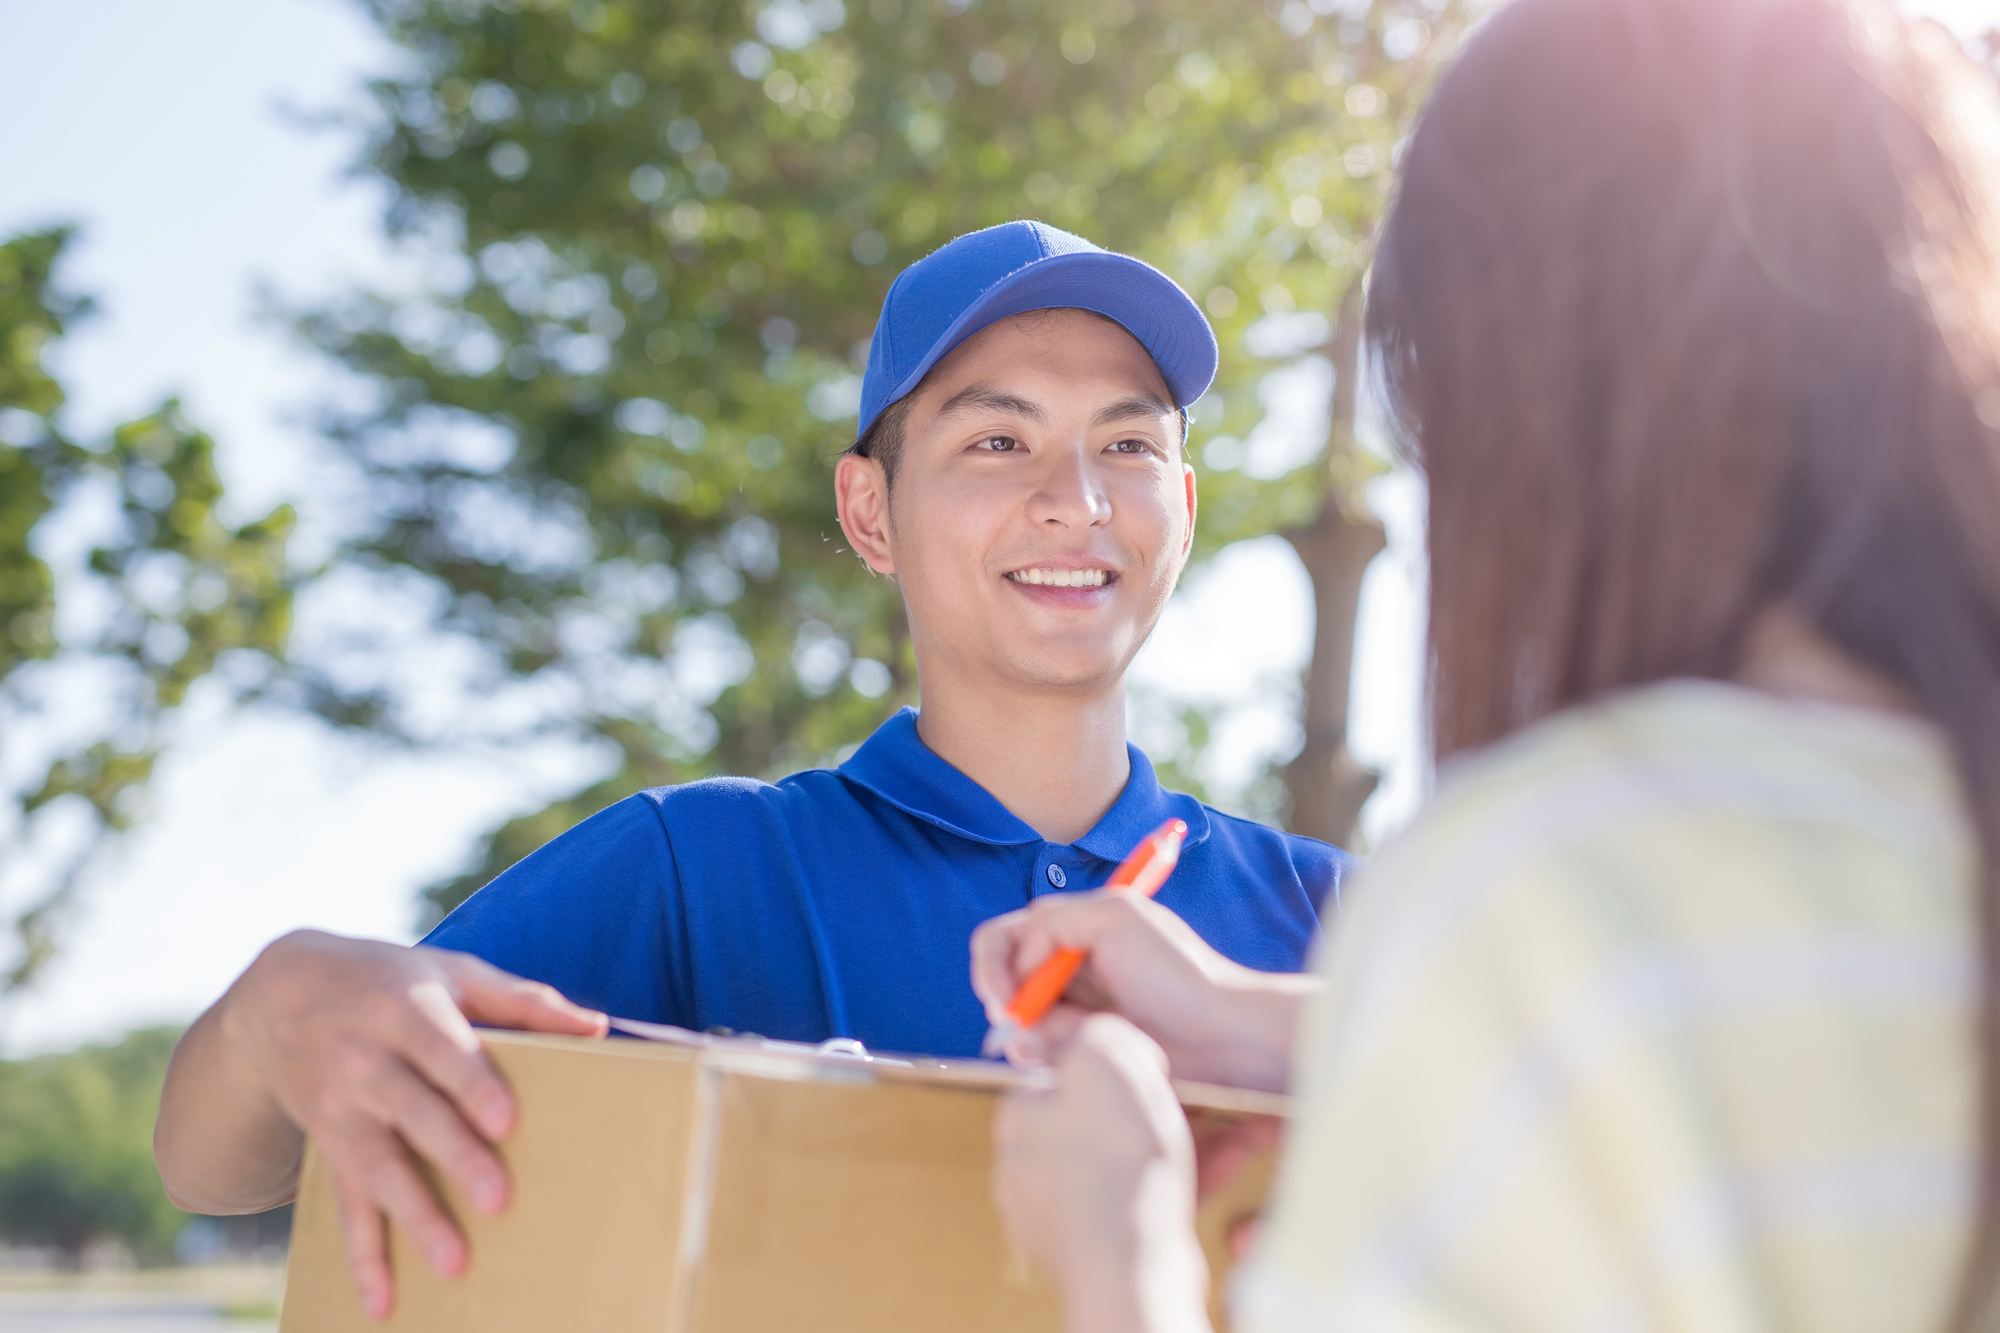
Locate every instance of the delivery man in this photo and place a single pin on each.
(1020, 472)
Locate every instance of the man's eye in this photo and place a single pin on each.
(1131, 447)
(998, 444)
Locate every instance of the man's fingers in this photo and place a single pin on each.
(380, 1167)
(440, 1044)
(367, 1250)
(488, 995)
(431, 1126)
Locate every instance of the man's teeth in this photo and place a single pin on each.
(1063, 578)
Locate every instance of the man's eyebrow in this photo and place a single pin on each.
(994, 400)
(1127, 408)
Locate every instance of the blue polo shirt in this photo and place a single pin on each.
(839, 902)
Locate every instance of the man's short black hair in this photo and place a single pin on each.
(883, 440)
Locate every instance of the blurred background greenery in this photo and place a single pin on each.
(76, 1149)
(592, 445)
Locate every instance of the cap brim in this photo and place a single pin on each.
(1148, 303)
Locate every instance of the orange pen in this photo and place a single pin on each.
(1143, 872)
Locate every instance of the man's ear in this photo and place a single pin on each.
(861, 495)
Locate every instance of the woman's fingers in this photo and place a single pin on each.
(1106, 1146)
(1008, 948)
(1040, 1044)
(994, 972)
(1145, 963)
(1117, 1075)
(1113, 1059)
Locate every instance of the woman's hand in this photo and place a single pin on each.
(1095, 1181)
(1217, 1020)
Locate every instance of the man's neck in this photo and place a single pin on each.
(1057, 761)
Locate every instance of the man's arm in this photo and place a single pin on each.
(368, 1047)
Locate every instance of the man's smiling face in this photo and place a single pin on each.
(1041, 511)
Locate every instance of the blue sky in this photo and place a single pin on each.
(167, 133)
(163, 130)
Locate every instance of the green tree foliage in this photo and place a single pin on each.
(168, 589)
(606, 433)
(76, 1147)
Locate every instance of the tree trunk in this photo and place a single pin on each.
(1326, 784)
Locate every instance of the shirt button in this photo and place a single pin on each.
(1056, 876)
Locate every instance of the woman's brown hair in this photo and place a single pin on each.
(1691, 310)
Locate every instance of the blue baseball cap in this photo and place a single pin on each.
(985, 276)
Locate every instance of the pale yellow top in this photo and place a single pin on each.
(1660, 1018)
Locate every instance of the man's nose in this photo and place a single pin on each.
(1070, 493)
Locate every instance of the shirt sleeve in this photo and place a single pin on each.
(596, 913)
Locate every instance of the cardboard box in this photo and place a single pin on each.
(734, 1187)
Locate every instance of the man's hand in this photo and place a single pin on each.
(1095, 1181)
(1216, 1019)
(368, 1048)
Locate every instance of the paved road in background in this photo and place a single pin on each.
(92, 1313)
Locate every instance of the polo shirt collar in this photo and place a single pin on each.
(896, 765)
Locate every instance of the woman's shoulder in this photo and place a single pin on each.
(1695, 754)
(1680, 829)
(1687, 810)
